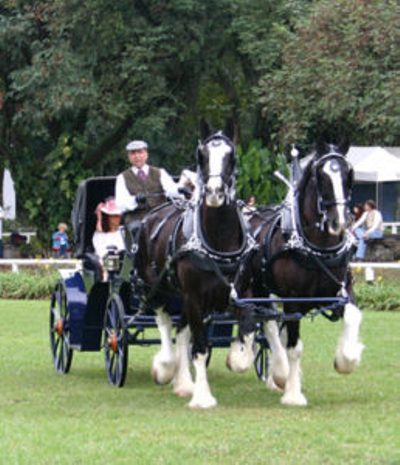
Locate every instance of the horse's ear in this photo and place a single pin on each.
(229, 130)
(344, 145)
(205, 129)
(321, 147)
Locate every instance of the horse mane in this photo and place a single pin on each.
(306, 173)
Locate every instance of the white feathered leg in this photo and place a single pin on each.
(278, 363)
(164, 362)
(349, 348)
(183, 383)
(241, 354)
(202, 397)
(293, 394)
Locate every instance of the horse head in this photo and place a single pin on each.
(216, 169)
(333, 178)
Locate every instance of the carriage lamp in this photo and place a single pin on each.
(112, 260)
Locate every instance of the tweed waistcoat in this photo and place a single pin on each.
(151, 185)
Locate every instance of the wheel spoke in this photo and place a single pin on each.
(56, 344)
(56, 313)
(113, 317)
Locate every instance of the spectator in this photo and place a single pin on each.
(369, 226)
(358, 210)
(60, 243)
(250, 206)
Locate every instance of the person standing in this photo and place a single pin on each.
(60, 242)
(142, 186)
(369, 226)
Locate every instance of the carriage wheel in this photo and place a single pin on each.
(60, 330)
(115, 341)
(261, 362)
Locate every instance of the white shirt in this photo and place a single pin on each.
(102, 240)
(372, 220)
(127, 202)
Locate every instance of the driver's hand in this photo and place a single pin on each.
(140, 199)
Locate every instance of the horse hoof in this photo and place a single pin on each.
(205, 403)
(279, 382)
(163, 372)
(294, 400)
(343, 366)
(272, 386)
(240, 357)
(346, 361)
(183, 391)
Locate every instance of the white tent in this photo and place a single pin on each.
(9, 201)
(374, 164)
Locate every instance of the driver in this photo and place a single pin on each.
(142, 187)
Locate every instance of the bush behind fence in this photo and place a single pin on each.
(383, 295)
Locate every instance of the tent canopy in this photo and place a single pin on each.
(9, 201)
(374, 164)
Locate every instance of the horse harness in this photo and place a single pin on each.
(308, 255)
(227, 266)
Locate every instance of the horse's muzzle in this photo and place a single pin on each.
(215, 193)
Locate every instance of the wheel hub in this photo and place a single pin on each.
(59, 326)
(113, 342)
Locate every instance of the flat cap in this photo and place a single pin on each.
(136, 145)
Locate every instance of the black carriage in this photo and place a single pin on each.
(89, 314)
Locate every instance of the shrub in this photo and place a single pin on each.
(27, 284)
(383, 295)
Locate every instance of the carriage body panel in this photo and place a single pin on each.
(86, 313)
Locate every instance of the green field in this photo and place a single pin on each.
(75, 419)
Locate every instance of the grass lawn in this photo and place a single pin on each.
(51, 419)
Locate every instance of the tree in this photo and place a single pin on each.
(339, 74)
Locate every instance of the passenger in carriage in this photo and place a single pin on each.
(108, 231)
(142, 186)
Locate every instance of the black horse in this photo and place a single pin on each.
(204, 250)
(305, 251)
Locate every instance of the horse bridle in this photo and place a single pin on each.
(228, 181)
(322, 204)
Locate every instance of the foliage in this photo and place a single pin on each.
(79, 79)
(256, 174)
(383, 295)
(27, 284)
(340, 72)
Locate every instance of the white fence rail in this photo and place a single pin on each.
(394, 226)
(16, 263)
(28, 234)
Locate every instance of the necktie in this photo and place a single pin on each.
(141, 175)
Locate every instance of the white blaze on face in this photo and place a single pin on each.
(332, 169)
(217, 153)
